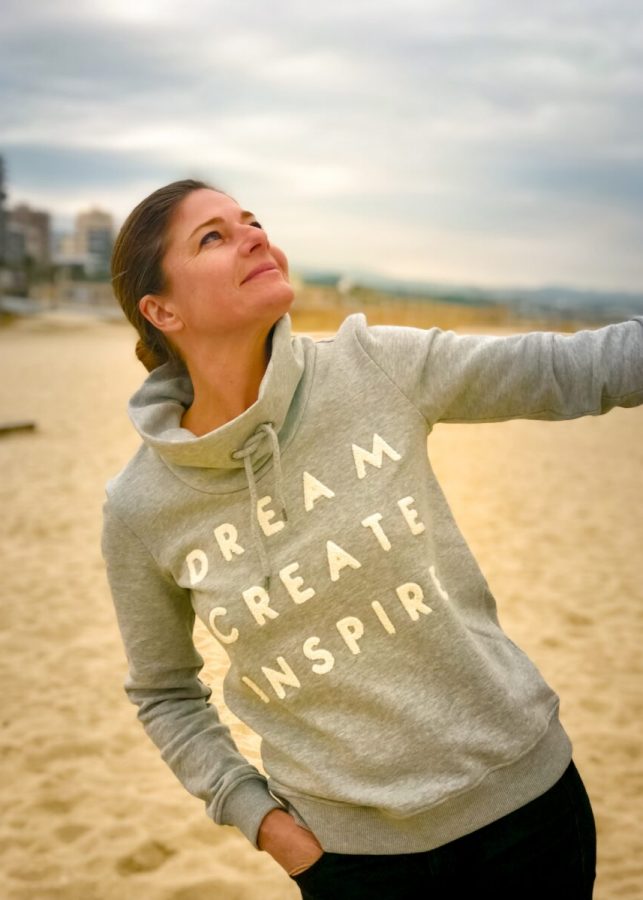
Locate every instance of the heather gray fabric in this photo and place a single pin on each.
(365, 649)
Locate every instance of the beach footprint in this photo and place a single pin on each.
(147, 857)
(71, 832)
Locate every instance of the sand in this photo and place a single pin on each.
(554, 513)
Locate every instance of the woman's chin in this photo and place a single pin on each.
(283, 299)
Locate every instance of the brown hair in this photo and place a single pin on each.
(137, 265)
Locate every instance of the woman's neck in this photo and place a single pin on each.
(226, 380)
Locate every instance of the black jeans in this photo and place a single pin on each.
(544, 851)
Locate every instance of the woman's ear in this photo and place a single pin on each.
(157, 310)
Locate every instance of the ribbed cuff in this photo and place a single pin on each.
(246, 806)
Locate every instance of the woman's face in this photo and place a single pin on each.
(222, 274)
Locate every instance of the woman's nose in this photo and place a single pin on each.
(253, 237)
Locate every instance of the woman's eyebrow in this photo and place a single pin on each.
(216, 220)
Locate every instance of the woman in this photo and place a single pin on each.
(282, 493)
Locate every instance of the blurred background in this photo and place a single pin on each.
(483, 153)
(472, 164)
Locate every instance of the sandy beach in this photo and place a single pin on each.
(553, 512)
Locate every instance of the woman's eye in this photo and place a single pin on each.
(210, 237)
(257, 225)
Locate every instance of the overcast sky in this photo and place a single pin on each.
(480, 141)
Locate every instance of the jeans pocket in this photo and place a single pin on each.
(311, 869)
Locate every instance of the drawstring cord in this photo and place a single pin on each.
(245, 453)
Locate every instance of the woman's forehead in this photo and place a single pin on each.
(201, 206)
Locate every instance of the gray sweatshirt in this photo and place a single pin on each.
(311, 537)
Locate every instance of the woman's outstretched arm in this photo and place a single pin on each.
(539, 375)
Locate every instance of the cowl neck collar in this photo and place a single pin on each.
(233, 456)
(157, 408)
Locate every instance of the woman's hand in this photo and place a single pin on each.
(293, 847)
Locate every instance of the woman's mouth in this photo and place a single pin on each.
(259, 270)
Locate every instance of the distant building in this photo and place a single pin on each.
(15, 246)
(69, 262)
(94, 239)
(25, 244)
(29, 233)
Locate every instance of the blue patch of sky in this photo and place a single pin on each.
(37, 166)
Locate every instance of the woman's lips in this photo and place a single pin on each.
(259, 270)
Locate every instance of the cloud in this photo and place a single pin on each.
(391, 136)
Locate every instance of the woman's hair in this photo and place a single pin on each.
(137, 265)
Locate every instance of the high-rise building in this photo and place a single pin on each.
(94, 239)
(32, 228)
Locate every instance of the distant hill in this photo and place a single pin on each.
(549, 300)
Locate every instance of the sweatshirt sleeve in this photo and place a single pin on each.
(156, 618)
(539, 375)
